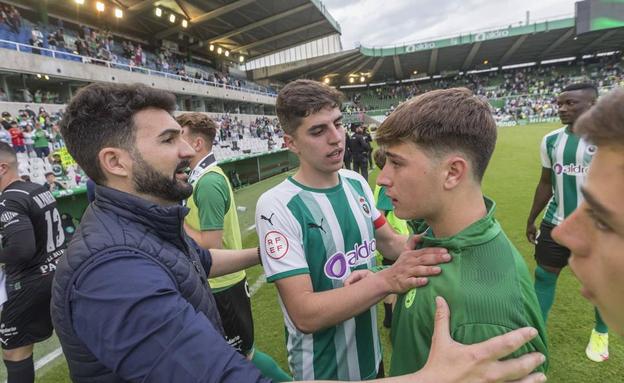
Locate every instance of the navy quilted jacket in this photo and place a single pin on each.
(130, 300)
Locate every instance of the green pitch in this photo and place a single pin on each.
(510, 180)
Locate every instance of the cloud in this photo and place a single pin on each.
(397, 22)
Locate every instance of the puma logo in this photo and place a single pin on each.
(313, 225)
(269, 220)
(3, 203)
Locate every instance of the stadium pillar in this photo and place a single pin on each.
(42, 9)
(5, 88)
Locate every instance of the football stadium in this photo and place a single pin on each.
(299, 239)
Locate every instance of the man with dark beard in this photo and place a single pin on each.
(130, 299)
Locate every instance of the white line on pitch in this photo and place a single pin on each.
(252, 227)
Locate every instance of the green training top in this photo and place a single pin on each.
(488, 289)
(212, 207)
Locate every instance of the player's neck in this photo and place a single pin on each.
(7, 180)
(315, 179)
(460, 211)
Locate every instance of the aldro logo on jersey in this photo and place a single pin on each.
(570, 169)
(339, 265)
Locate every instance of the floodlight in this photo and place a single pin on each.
(118, 13)
(79, 2)
(172, 18)
(241, 58)
(46, 77)
(158, 12)
(38, 75)
(326, 80)
(362, 79)
(486, 61)
(211, 47)
(227, 53)
(219, 50)
(99, 6)
(351, 80)
(184, 23)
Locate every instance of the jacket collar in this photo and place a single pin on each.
(165, 221)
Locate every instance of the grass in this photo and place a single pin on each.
(510, 181)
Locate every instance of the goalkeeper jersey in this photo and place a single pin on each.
(324, 233)
(567, 156)
(487, 286)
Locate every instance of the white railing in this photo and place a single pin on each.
(117, 65)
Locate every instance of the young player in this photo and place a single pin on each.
(213, 223)
(318, 226)
(594, 232)
(438, 146)
(565, 161)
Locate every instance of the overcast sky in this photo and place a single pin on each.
(396, 22)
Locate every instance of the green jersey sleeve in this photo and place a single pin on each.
(212, 197)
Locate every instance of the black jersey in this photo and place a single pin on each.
(28, 210)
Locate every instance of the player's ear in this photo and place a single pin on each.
(115, 162)
(291, 144)
(455, 168)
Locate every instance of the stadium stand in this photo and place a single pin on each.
(515, 94)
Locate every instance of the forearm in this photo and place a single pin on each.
(316, 311)
(543, 193)
(392, 245)
(229, 261)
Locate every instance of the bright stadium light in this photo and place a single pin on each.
(172, 18)
(486, 61)
(79, 2)
(219, 50)
(158, 12)
(362, 79)
(211, 47)
(241, 58)
(351, 80)
(99, 6)
(118, 13)
(38, 75)
(227, 53)
(46, 77)
(326, 80)
(184, 23)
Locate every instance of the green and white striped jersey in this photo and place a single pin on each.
(568, 157)
(324, 233)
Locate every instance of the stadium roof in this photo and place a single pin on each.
(249, 27)
(501, 47)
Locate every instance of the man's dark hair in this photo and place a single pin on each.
(300, 99)
(581, 86)
(444, 120)
(603, 124)
(199, 123)
(101, 115)
(48, 174)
